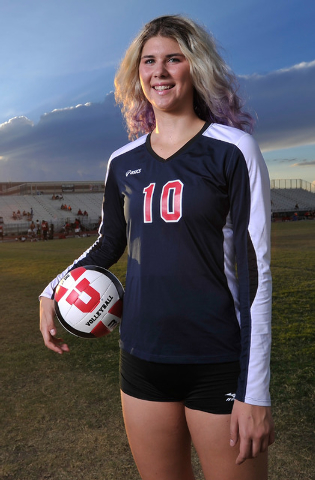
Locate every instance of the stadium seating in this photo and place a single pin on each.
(290, 199)
(44, 208)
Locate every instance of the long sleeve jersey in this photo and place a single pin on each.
(197, 228)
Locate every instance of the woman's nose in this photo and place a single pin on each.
(160, 70)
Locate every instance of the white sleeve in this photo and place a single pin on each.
(257, 388)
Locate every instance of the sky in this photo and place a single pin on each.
(58, 119)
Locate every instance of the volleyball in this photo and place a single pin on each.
(88, 301)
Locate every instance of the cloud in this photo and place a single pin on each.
(66, 144)
(75, 143)
(284, 101)
(298, 162)
(304, 163)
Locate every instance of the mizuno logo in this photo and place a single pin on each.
(230, 397)
(133, 172)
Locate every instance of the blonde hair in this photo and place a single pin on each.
(215, 97)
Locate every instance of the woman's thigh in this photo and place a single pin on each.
(211, 438)
(159, 438)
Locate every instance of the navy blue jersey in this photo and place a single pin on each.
(197, 227)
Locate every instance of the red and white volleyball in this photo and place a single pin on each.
(88, 301)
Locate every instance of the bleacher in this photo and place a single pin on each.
(280, 202)
(287, 197)
(292, 197)
(44, 208)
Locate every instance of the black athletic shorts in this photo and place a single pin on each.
(206, 387)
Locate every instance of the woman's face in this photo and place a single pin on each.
(164, 74)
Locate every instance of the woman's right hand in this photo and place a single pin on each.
(48, 328)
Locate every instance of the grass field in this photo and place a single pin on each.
(61, 416)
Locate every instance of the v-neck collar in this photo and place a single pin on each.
(178, 152)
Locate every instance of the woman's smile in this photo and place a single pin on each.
(165, 75)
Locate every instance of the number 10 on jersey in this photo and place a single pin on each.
(170, 201)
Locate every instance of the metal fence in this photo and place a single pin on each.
(292, 183)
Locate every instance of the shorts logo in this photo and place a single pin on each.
(133, 172)
(230, 397)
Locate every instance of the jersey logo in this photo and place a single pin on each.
(230, 397)
(133, 172)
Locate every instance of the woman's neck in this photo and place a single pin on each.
(170, 128)
(172, 133)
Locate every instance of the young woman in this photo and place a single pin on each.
(191, 200)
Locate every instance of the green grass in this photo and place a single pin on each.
(61, 415)
(293, 350)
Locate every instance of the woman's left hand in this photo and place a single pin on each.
(252, 426)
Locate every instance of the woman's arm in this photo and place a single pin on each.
(251, 421)
(106, 251)
(249, 190)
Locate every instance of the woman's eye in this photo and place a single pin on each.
(149, 61)
(174, 60)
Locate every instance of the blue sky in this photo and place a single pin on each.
(58, 60)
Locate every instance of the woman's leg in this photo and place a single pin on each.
(159, 438)
(211, 437)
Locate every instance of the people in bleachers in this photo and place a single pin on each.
(66, 207)
(16, 215)
(77, 226)
(1, 231)
(51, 231)
(44, 229)
(38, 233)
(31, 233)
(85, 213)
(67, 227)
